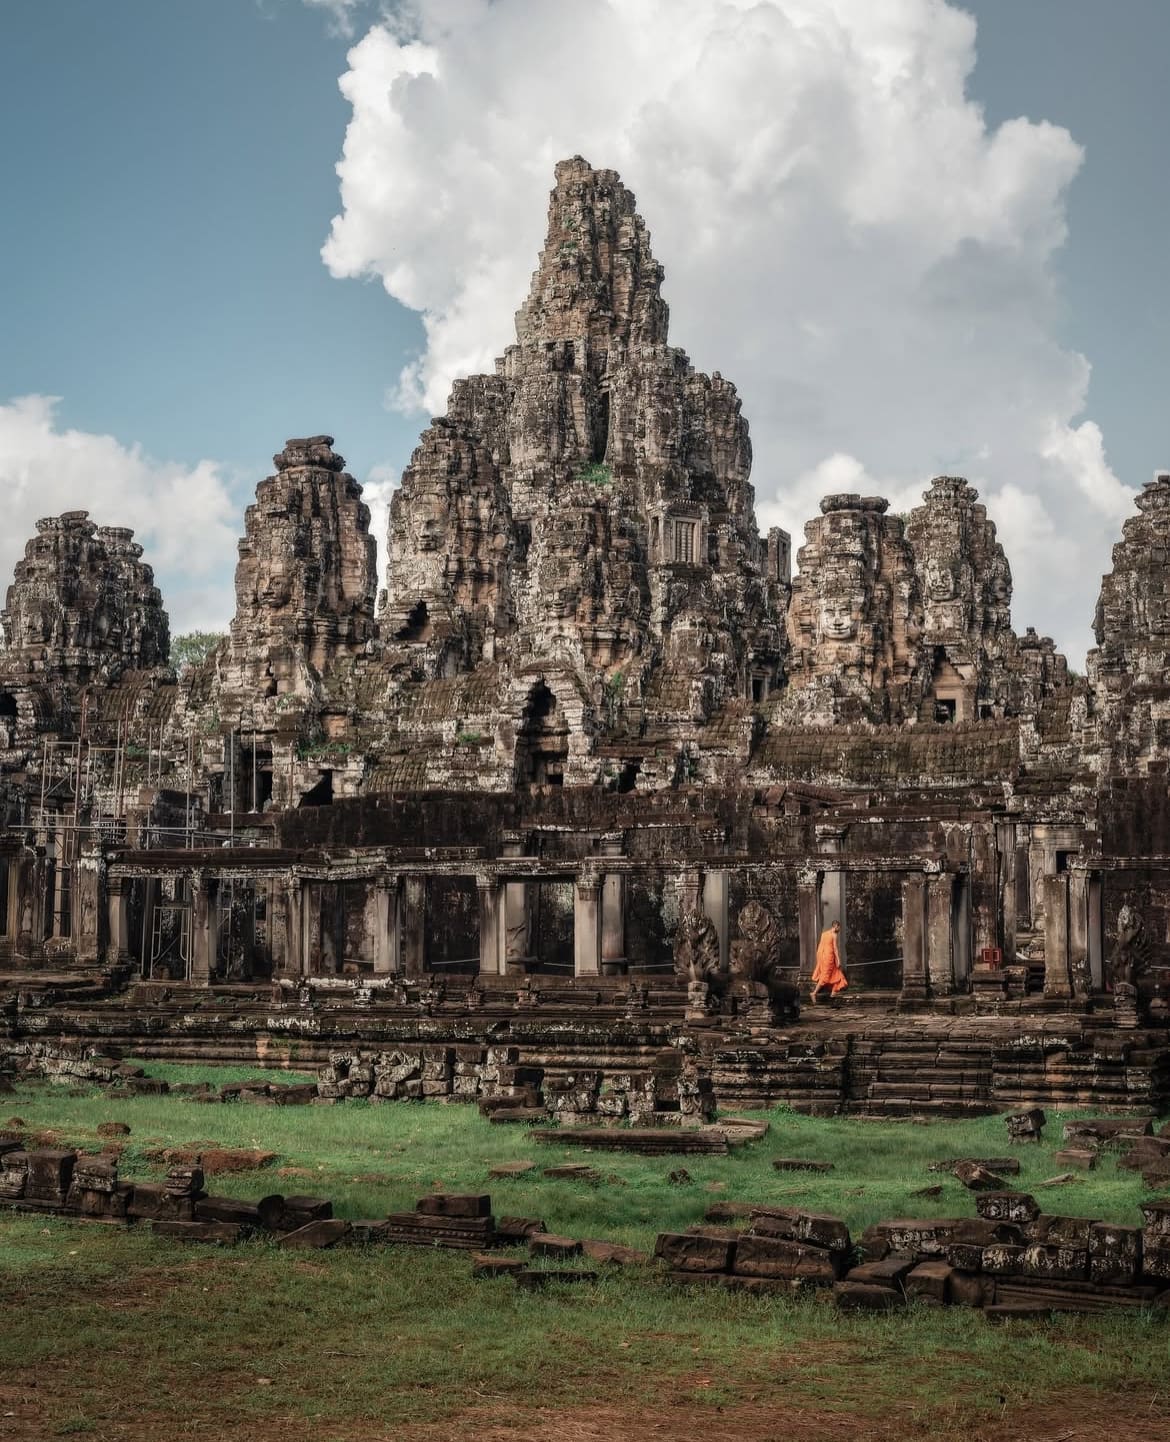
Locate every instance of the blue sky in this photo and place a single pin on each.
(169, 174)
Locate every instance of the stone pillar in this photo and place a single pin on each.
(587, 925)
(518, 955)
(88, 922)
(1023, 875)
(204, 927)
(292, 895)
(983, 890)
(1006, 848)
(915, 976)
(414, 925)
(961, 939)
(492, 945)
(940, 927)
(1097, 931)
(808, 914)
(716, 896)
(117, 922)
(1078, 932)
(384, 908)
(1057, 976)
(830, 841)
(613, 911)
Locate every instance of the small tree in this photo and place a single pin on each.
(193, 648)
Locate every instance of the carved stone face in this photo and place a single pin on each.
(940, 580)
(836, 621)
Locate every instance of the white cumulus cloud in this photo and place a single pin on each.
(843, 235)
(184, 517)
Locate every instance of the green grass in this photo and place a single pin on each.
(123, 1331)
(373, 1158)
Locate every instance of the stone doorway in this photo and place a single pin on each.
(542, 747)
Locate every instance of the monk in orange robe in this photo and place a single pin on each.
(828, 968)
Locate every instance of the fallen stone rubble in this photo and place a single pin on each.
(1010, 1260)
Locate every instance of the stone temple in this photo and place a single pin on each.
(570, 802)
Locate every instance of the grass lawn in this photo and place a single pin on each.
(115, 1334)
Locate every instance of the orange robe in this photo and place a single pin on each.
(828, 968)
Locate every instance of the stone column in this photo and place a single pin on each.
(518, 955)
(292, 900)
(1057, 976)
(204, 927)
(940, 926)
(89, 924)
(1023, 873)
(587, 925)
(915, 977)
(830, 841)
(1006, 847)
(1097, 931)
(613, 910)
(414, 925)
(983, 890)
(808, 914)
(384, 917)
(117, 922)
(716, 893)
(491, 925)
(1078, 931)
(961, 939)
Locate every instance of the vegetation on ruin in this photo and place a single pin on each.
(192, 648)
(595, 473)
(109, 1330)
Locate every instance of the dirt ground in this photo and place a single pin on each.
(26, 1409)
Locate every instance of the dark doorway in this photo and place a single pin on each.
(542, 748)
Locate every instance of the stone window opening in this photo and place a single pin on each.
(944, 711)
(542, 747)
(759, 685)
(322, 793)
(684, 542)
(418, 625)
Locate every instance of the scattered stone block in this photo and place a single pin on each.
(503, 1170)
(49, 1175)
(152, 1202)
(613, 1253)
(928, 1193)
(1082, 1159)
(695, 1252)
(776, 1257)
(546, 1244)
(227, 1210)
(977, 1178)
(930, 1282)
(798, 1164)
(517, 1230)
(1106, 1132)
(1026, 1126)
(573, 1172)
(289, 1214)
(1115, 1254)
(484, 1265)
(1003, 1206)
(967, 1289)
(1055, 1262)
(866, 1297)
(1004, 1166)
(316, 1236)
(889, 1272)
(453, 1204)
(113, 1129)
(816, 1228)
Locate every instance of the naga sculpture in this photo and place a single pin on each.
(1131, 949)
